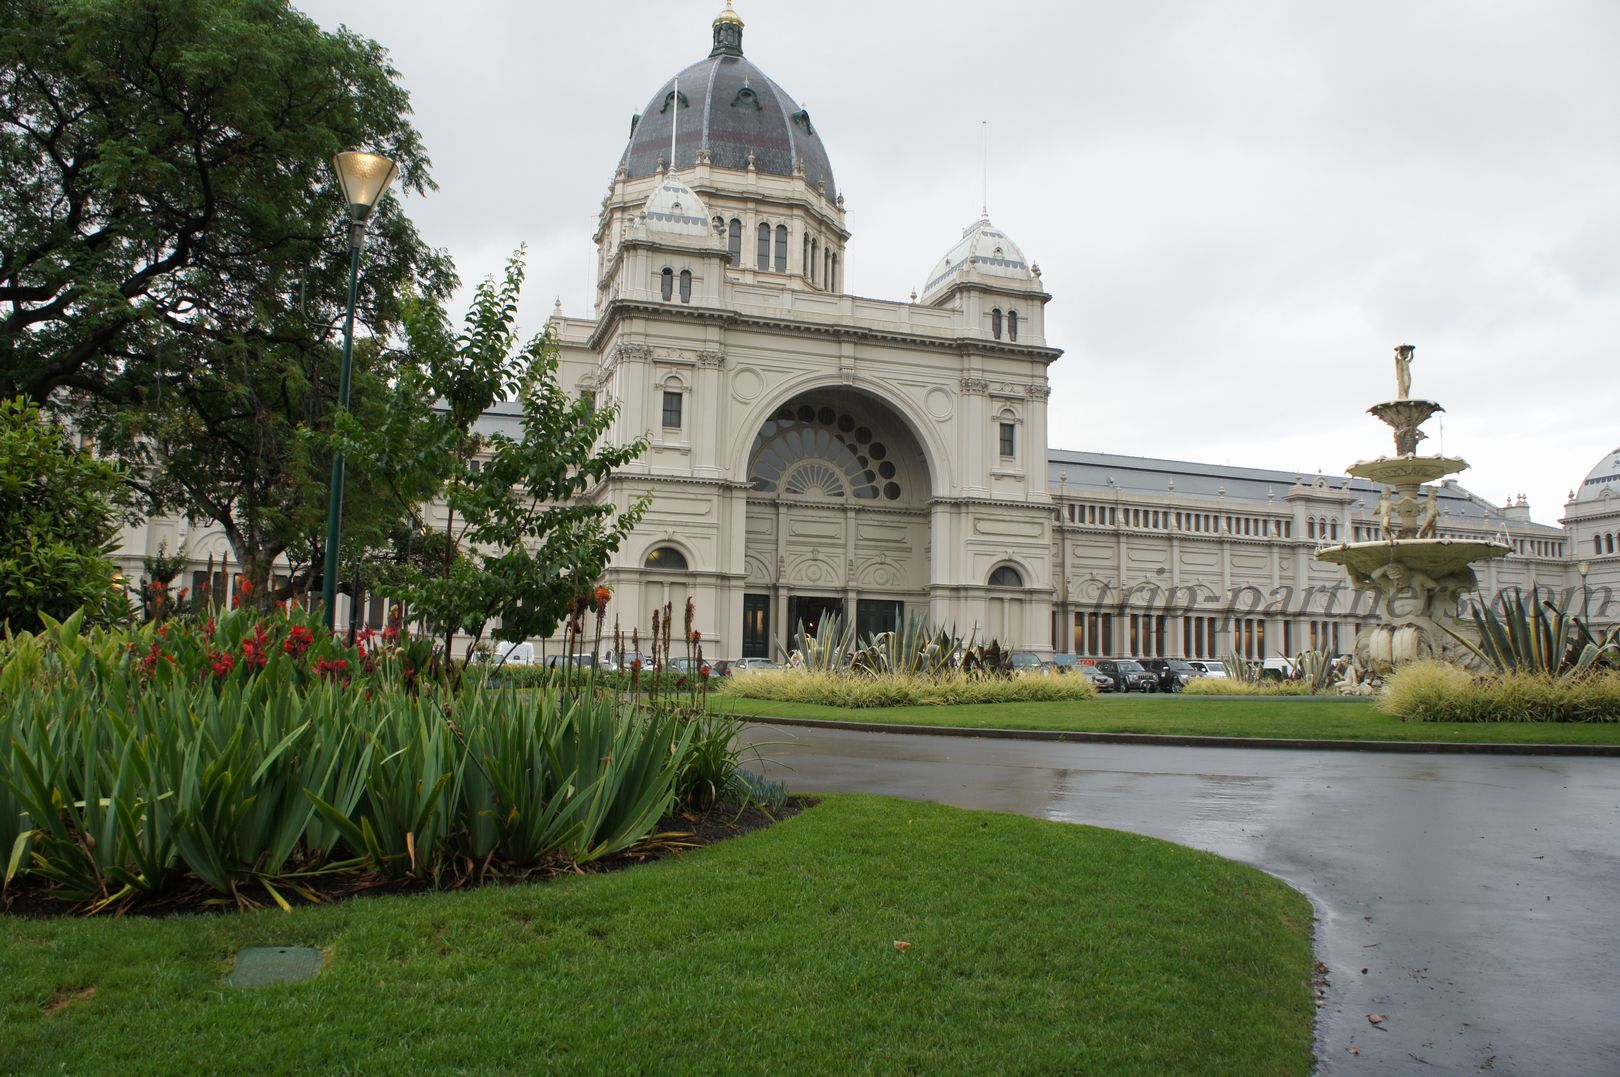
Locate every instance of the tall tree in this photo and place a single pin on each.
(172, 256)
(523, 522)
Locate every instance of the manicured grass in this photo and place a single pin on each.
(1316, 718)
(1035, 946)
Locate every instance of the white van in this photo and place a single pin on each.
(1208, 667)
(509, 654)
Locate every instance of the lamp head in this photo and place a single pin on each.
(364, 176)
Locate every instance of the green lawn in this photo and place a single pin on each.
(1324, 718)
(1035, 946)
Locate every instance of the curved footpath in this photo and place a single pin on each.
(1481, 893)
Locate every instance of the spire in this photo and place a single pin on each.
(728, 28)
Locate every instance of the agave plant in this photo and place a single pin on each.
(830, 648)
(1314, 668)
(1241, 669)
(1535, 636)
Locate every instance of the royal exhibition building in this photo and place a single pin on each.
(815, 451)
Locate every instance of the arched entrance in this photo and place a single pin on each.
(837, 519)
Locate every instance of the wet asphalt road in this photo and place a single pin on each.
(1480, 893)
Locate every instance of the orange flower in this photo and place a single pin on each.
(602, 596)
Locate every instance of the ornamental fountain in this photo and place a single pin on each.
(1417, 577)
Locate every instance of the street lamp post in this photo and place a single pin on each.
(364, 176)
(1583, 568)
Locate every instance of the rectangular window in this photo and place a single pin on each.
(1009, 442)
(672, 410)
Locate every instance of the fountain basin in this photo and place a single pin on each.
(1432, 557)
(1407, 470)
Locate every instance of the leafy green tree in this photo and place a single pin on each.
(58, 518)
(173, 265)
(526, 524)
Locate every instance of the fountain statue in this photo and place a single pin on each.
(1417, 576)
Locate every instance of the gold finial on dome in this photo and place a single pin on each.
(728, 28)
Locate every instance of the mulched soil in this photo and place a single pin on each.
(674, 836)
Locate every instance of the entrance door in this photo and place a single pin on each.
(875, 615)
(809, 610)
(756, 626)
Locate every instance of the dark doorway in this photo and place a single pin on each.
(809, 610)
(756, 632)
(875, 615)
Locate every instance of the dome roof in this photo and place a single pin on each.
(983, 248)
(1606, 476)
(673, 207)
(733, 110)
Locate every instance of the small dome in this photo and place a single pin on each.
(983, 249)
(1606, 476)
(675, 208)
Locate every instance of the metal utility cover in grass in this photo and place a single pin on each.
(260, 965)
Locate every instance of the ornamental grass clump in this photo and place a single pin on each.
(1231, 686)
(851, 689)
(1432, 691)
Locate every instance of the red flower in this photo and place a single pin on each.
(602, 597)
(703, 671)
(255, 651)
(696, 636)
(222, 662)
(331, 669)
(298, 641)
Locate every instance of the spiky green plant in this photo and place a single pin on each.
(1538, 636)
(1314, 669)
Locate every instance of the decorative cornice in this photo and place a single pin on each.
(1039, 392)
(715, 359)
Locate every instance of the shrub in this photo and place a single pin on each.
(1431, 691)
(1232, 686)
(140, 762)
(848, 689)
(58, 521)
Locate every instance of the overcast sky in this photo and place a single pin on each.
(1239, 208)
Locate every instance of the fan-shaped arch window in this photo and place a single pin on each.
(763, 256)
(1012, 325)
(995, 322)
(734, 240)
(686, 286)
(667, 559)
(781, 248)
(1006, 576)
(821, 452)
(666, 283)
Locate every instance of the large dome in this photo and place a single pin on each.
(731, 108)
(1606, 476)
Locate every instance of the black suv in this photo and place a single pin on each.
(1173, 673)
(1129, 676)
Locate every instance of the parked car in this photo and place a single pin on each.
(1276, 669)
(1129, 675)
(754, 663)
(584, 661)
(1028, 664)
(506, 654)
(1173, 673)
(1102, 681)
(1208, 667)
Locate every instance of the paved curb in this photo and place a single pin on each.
(1188, 741)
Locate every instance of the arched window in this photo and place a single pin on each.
(1006, 576)
(734, 240)
(1333, 528)
(686, 286)
(806, 269)
(815, 258)
(832, 275)
(781, 248)
(667, 559)
(666, 286)
(1310, 528)
(762, 259)
(1608, 544)
(1597, 543)
(995, 322)
(1012, 325)
(826, 269)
